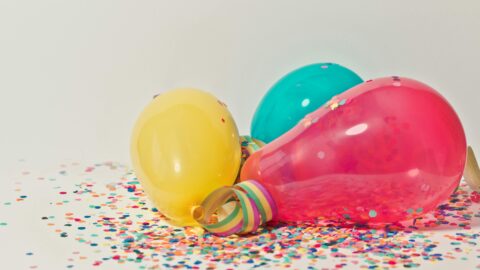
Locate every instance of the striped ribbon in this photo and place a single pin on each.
(249, 146)
(238, 209)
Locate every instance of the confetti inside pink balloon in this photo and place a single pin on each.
(386, 150)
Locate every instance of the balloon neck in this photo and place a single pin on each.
(197, 212)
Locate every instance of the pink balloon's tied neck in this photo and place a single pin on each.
(239, 209)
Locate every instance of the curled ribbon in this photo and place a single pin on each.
(472, 171)
(249, 146)
(239, 209)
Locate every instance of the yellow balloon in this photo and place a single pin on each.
(185, 144)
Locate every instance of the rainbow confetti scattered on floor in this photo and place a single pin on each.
(111, 215)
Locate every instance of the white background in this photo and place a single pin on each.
(74, 75)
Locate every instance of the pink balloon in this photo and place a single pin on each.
(386, 150)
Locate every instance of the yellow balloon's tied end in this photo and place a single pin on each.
(239, 209)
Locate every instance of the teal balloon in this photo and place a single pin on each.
(298, 93)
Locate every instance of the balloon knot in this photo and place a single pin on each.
(197, 212)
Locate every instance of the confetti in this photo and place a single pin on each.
(114, 219)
